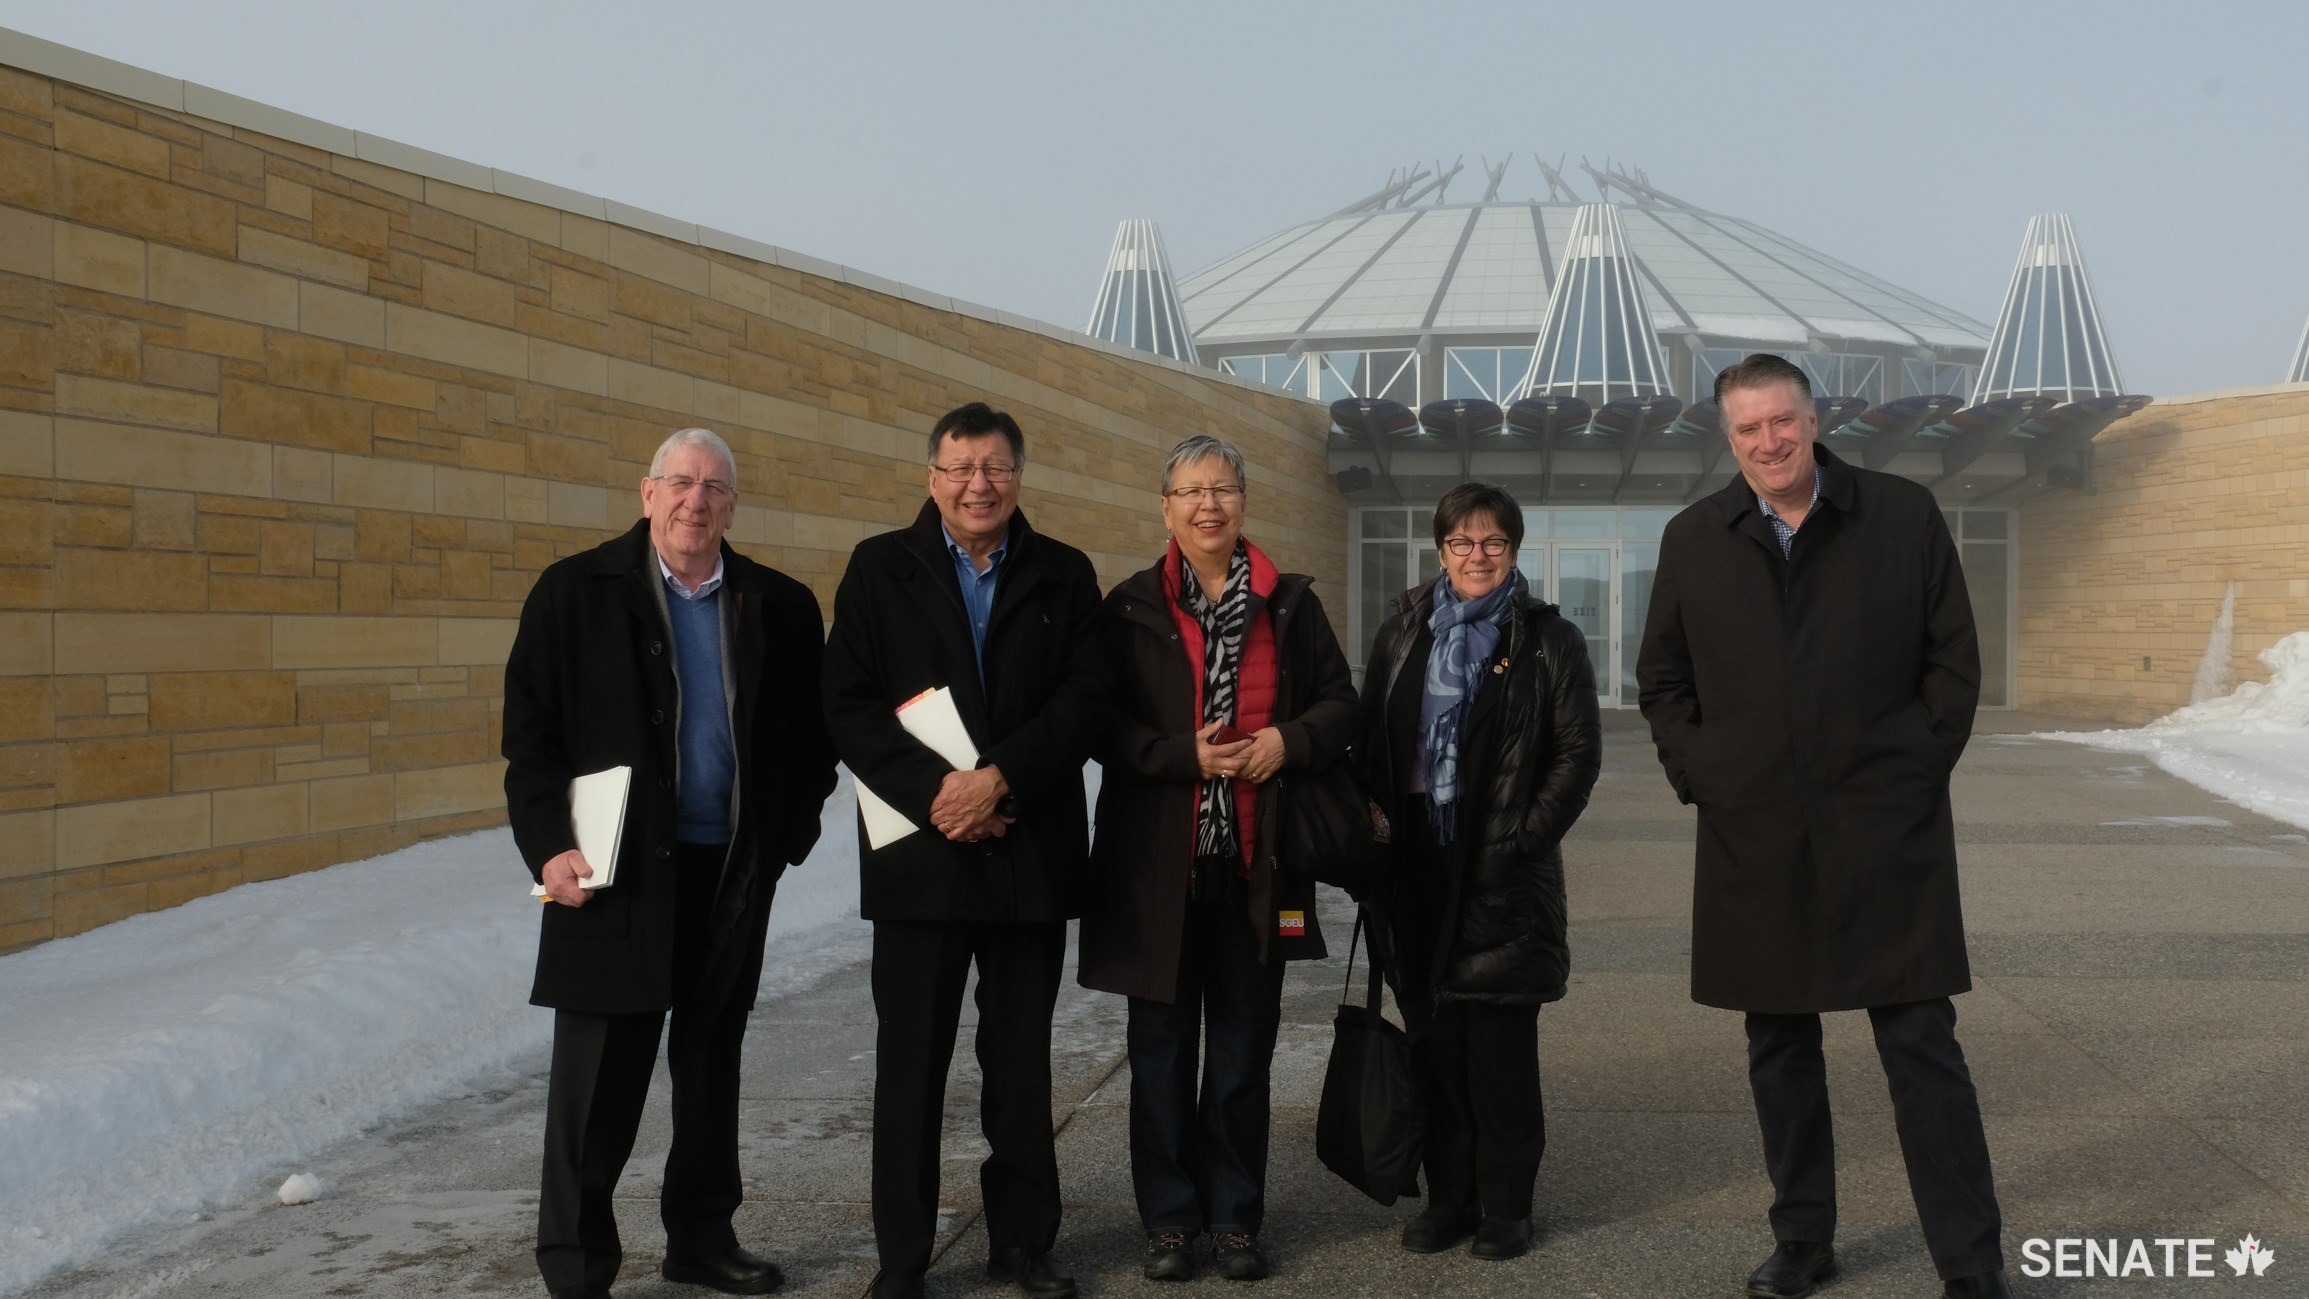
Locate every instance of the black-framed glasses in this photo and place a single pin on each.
(1465, 546)
(680, 484)
(995, 474)
(1223, 494)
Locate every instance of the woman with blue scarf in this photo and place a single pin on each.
(1480, 734)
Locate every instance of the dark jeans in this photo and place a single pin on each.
(1199, 1161)
(919, 973)
(1934, 1108)
(593, 1104)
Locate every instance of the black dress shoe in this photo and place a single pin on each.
(887, 1286)
(733, 1271)
(1502, 1238)
(1170, 1256)
(1984, 1285)
(1237, 1257)
(1032, 1269)
(1793, 1270)
(1434, 1231)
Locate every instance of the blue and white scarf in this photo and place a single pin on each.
(1466, 633)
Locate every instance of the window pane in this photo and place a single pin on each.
(1986, 525)
(1985, 577)
(1378, 524)
(1383, 580)
(1571, 522)
(1643, 525)
(1639, 563)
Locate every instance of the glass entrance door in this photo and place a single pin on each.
(1582, 582)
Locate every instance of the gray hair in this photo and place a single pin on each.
(1199, 446)
(704, 439)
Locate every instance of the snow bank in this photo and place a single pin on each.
(2250, 746)
(178, 1059)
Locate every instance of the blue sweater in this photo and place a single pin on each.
(709, 763)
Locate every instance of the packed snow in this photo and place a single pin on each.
(2250, 746)
(189, 1057)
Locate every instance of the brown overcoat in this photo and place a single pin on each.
(1134, 911)
(1814, 707)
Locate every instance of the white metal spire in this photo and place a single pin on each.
(1138, 300)
(1596, 341)
(2300, 371)
(2049, 339)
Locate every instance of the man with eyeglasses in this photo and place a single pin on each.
(972, 599)
(668, 652)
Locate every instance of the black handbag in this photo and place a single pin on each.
(1371, 1126)
(1332, 830)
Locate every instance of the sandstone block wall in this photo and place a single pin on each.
(2119, 589)
(286, 434)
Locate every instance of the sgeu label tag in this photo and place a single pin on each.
(1291, 924)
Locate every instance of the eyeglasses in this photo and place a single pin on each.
(679, 485)
(1465, 546)
(995, 474)
(1221, 495)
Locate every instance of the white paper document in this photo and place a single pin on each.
(931, 718)
(597, 813)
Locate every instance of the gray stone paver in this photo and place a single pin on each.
(2136, 1031)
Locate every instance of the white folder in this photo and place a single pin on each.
(597, 814)
(931, 718)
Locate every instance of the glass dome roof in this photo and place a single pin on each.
(1488, 269)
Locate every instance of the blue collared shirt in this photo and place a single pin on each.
(1783, 529)
(977, 591)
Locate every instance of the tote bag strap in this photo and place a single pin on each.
(1377, 974)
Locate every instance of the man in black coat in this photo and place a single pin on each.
(667, 652)
(1809, 669)
(971, 599)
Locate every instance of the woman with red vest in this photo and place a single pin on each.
(1225, 673)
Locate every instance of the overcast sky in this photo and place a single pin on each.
(987, 150)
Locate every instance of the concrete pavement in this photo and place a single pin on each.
(2141, 960)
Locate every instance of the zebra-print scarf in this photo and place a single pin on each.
(1223, 625)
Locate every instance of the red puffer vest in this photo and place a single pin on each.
(1255, 679)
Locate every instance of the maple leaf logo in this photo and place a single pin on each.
(2252, 1254)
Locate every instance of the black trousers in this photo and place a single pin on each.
(1479, 1062)
(919, 974)
(1198, 1157)
(1486, 1119)
(593, 1104)
(1934, 1108)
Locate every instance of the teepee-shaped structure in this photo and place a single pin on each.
(1596, 342)
(1138, 301)
(2300, 371)
(2049, 340)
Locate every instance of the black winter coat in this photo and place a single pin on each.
(900, 628)
(1150, 780)
(590, 684)
(1814, 707)
(1529, 753)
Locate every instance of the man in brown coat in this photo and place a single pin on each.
(1810, 671)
